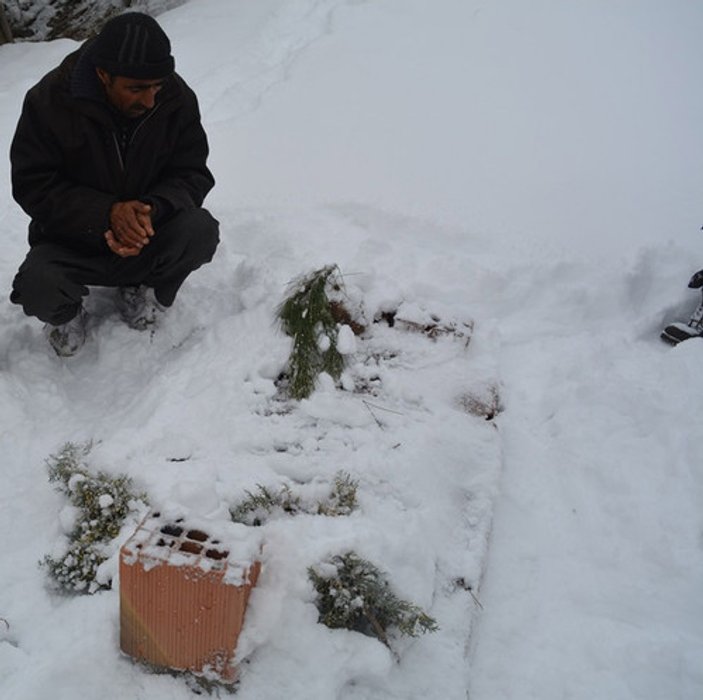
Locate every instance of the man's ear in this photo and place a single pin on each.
(104, 76)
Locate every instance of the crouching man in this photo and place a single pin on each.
(109, 161)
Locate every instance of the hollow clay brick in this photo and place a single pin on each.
(182, 602)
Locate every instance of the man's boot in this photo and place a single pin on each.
(139, 307)
(68, 338)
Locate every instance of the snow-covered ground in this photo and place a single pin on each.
(532, 167)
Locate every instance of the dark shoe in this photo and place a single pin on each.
(139, 307)
(696, 281)
(678, 332)
(68, 338)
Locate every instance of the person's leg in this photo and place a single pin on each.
(179, 247)
(52, 281)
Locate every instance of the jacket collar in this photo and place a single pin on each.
(84, 82)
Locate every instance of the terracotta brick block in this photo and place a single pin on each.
(183, 597)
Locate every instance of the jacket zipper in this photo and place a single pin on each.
(131, 140)
(119, 152)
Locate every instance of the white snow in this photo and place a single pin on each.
(346, 341)
(533, 168)
(106, 500)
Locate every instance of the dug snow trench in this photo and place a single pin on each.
(193, 414)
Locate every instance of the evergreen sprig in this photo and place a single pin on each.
(357, 596)
(103, 502)
(260, 505)
(257, 507)
(306, 317)
(342, 498)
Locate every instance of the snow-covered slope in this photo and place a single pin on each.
(41, 20)
(533, 167)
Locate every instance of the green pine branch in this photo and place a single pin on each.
(306, 316)
(103, 503)
(260, 505)
(352, 593)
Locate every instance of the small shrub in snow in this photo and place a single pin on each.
(260, 506)
(101, 503)
(342, 497)
(306, 316)
(354, 594)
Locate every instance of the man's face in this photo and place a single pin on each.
(130, 96)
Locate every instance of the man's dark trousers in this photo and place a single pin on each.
(54, 278)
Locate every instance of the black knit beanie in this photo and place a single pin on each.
(133, 45)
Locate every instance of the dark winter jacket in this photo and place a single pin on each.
(68, 168)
